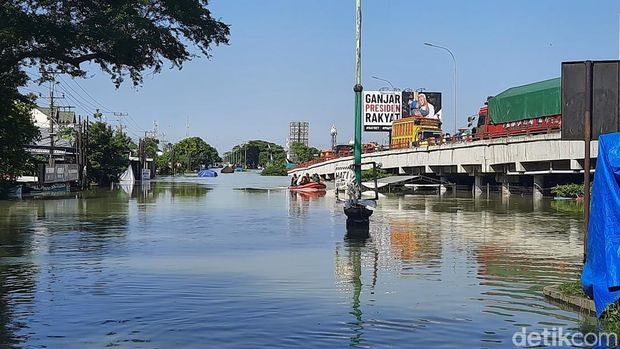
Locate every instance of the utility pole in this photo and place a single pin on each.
(119, 117)
(51, 117)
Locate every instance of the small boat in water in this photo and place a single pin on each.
(312, 186)
(227, 169)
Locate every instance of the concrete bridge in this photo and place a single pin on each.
(537, 161)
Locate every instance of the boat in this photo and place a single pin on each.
(227, 169)
(312, 186)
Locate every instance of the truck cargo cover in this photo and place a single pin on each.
(526, 102)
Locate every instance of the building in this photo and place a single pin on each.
(297, 133)
(64, 121)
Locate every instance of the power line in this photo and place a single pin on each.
(78, 94)
(91, 97)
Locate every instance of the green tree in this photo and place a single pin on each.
(16, 130)
(124, 38)
(304, 153)
(193, 152)
(276, 168)
(259, 153)
(108, 153)
(151, 147)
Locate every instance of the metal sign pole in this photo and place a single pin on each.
(587, 125)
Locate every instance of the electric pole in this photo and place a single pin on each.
(119, 119)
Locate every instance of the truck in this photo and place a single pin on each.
(415, 131)
(522, 110)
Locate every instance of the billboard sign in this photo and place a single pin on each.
(381, 108)
(426, 104)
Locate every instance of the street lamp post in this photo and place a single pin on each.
(385, 80)
(394, 90)
(455, 91)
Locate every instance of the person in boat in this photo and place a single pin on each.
(316, 178)
(304, 179)
(294, 180)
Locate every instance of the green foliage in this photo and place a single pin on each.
(108, 153)
(369, 175)
(568, 190)
(610, 319)
(193, 151)
(259, 153)
(16, 131)
(150, 147)
(568, 206)
(164, 164)
(124, 38)
(304, 153)
(572, 289)
(277, 168)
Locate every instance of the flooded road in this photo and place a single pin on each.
(197, 263)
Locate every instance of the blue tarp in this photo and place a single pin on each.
(601, 274)
(207, 173)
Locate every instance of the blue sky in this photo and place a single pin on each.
(292, 60)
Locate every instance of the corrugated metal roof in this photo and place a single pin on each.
(382, 182)
(64, 117)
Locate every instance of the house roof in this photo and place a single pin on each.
(64, 117)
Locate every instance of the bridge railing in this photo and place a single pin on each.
(460, 138)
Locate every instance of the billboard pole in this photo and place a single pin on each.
(358, 93)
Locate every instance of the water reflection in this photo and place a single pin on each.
(151, 192)
(178, 264)
(44, 243)
(299, 202)
(501, 252)
(17, 274)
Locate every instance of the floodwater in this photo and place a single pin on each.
(197, 263)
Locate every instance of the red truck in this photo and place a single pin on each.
(523, 110)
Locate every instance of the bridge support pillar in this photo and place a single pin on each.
(539, 181)
(477, 188)
(443, 188)
(505, 188)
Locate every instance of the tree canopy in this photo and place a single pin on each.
(259, 153)
(304, 153)
(123, 38)
(193, 151)
(108, 153)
